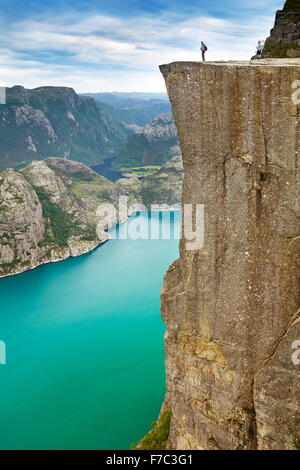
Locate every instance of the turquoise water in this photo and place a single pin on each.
(84, 342)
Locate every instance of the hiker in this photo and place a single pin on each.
(259, 48)
(203, 49)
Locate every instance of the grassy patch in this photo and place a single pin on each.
(59, 224)
(141, 170)
(83, 175)
(157, 438)
(297, 444)
(277, 49)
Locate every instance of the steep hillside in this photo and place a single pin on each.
(284, 40)
(55, 122)
(48, 213)
(163, 187)
(155, 145)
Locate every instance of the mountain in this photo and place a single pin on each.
(153, 146)
(284, 40)
(127, 98)
(55, 122)
(160, 188)
(48, 210)
(134, 110)
(48, 213)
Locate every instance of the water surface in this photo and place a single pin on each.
(84, 343)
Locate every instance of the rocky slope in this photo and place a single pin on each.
(55, 122)
(232, 309)
(48, 213)
(48, 210)
(284, 40)
(162, 188)
(155, 145)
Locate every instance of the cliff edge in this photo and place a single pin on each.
(232, 309)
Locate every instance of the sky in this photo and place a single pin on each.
(117, 45)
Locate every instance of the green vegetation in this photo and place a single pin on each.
(141, 170)
(157, 438)
(133, 152)
(151, 195)
(297, 444)
(60, 225)
(85, 184)
(279, 50)
(79, 129)
(292, 5)
(95, 190)
(15, 265)
(83, 175)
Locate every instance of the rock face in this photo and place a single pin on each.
(55, 122)
(48, 213)
(232, 309)
(284, 40)
(157, 143)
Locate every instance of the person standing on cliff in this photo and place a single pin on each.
(203, 49)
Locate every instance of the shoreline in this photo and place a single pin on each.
(64, 258)
(85, 252)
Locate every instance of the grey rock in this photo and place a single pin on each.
(47, 214)
(232, 308)
(285, 35)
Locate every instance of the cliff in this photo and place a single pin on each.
(284, 40)
(232, 308)
(48, 213)
(55, 122)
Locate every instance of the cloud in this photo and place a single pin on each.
(99, 52)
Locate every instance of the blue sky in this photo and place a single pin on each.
(115, 45)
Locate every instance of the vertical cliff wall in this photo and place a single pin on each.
(232, 308)
(284, 40)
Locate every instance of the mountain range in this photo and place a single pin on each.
(49, 122)
(55, 122)
(134, 110)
